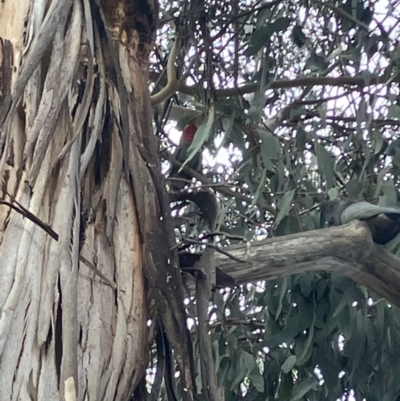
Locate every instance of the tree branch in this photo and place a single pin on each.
(360, 81)
(347, 250)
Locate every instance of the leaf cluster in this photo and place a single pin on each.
(297, 102)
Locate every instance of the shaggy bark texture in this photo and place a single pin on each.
(83, 204)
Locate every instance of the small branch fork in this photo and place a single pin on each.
(15, 205)
(30, 216)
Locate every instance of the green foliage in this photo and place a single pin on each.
(304, 98)
(315, 333)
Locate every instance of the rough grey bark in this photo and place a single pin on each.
(74, 305)
(75, 310)
(347, 250)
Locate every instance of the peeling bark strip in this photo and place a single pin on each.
(55, 19)
(59, 323)
(6, 61)
(133, 26)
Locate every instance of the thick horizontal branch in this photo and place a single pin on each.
(347, 250)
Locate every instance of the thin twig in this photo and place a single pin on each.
(215, 247)
(30, 216)
(15, 205)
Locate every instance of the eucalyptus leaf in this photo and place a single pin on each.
(354, 188)
(301, 138)
(317, 62)
(326, 164)
(378, 141)
(285, 386)
(305, 386)
(289, 364)
(184, 121)
(257, 380)
(261, 36)
(308, 348)
(284, 206)
(202, 134)
(282, 293)
(389, 189)
(263, 17)
(259, 39)
(298, 36)
(269, 145)
(227, 122)
(333, 193)
(281, 24)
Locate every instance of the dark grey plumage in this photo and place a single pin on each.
(205, 200)
(384, 222)
(298, 36)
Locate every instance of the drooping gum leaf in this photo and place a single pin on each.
(202, 134)
(326, 164)
(284, 206)
(303, 388)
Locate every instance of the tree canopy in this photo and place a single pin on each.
(294, 107)
(298, 102)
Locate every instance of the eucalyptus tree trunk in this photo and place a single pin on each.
(83, 210)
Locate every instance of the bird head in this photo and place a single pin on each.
(188, 133)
